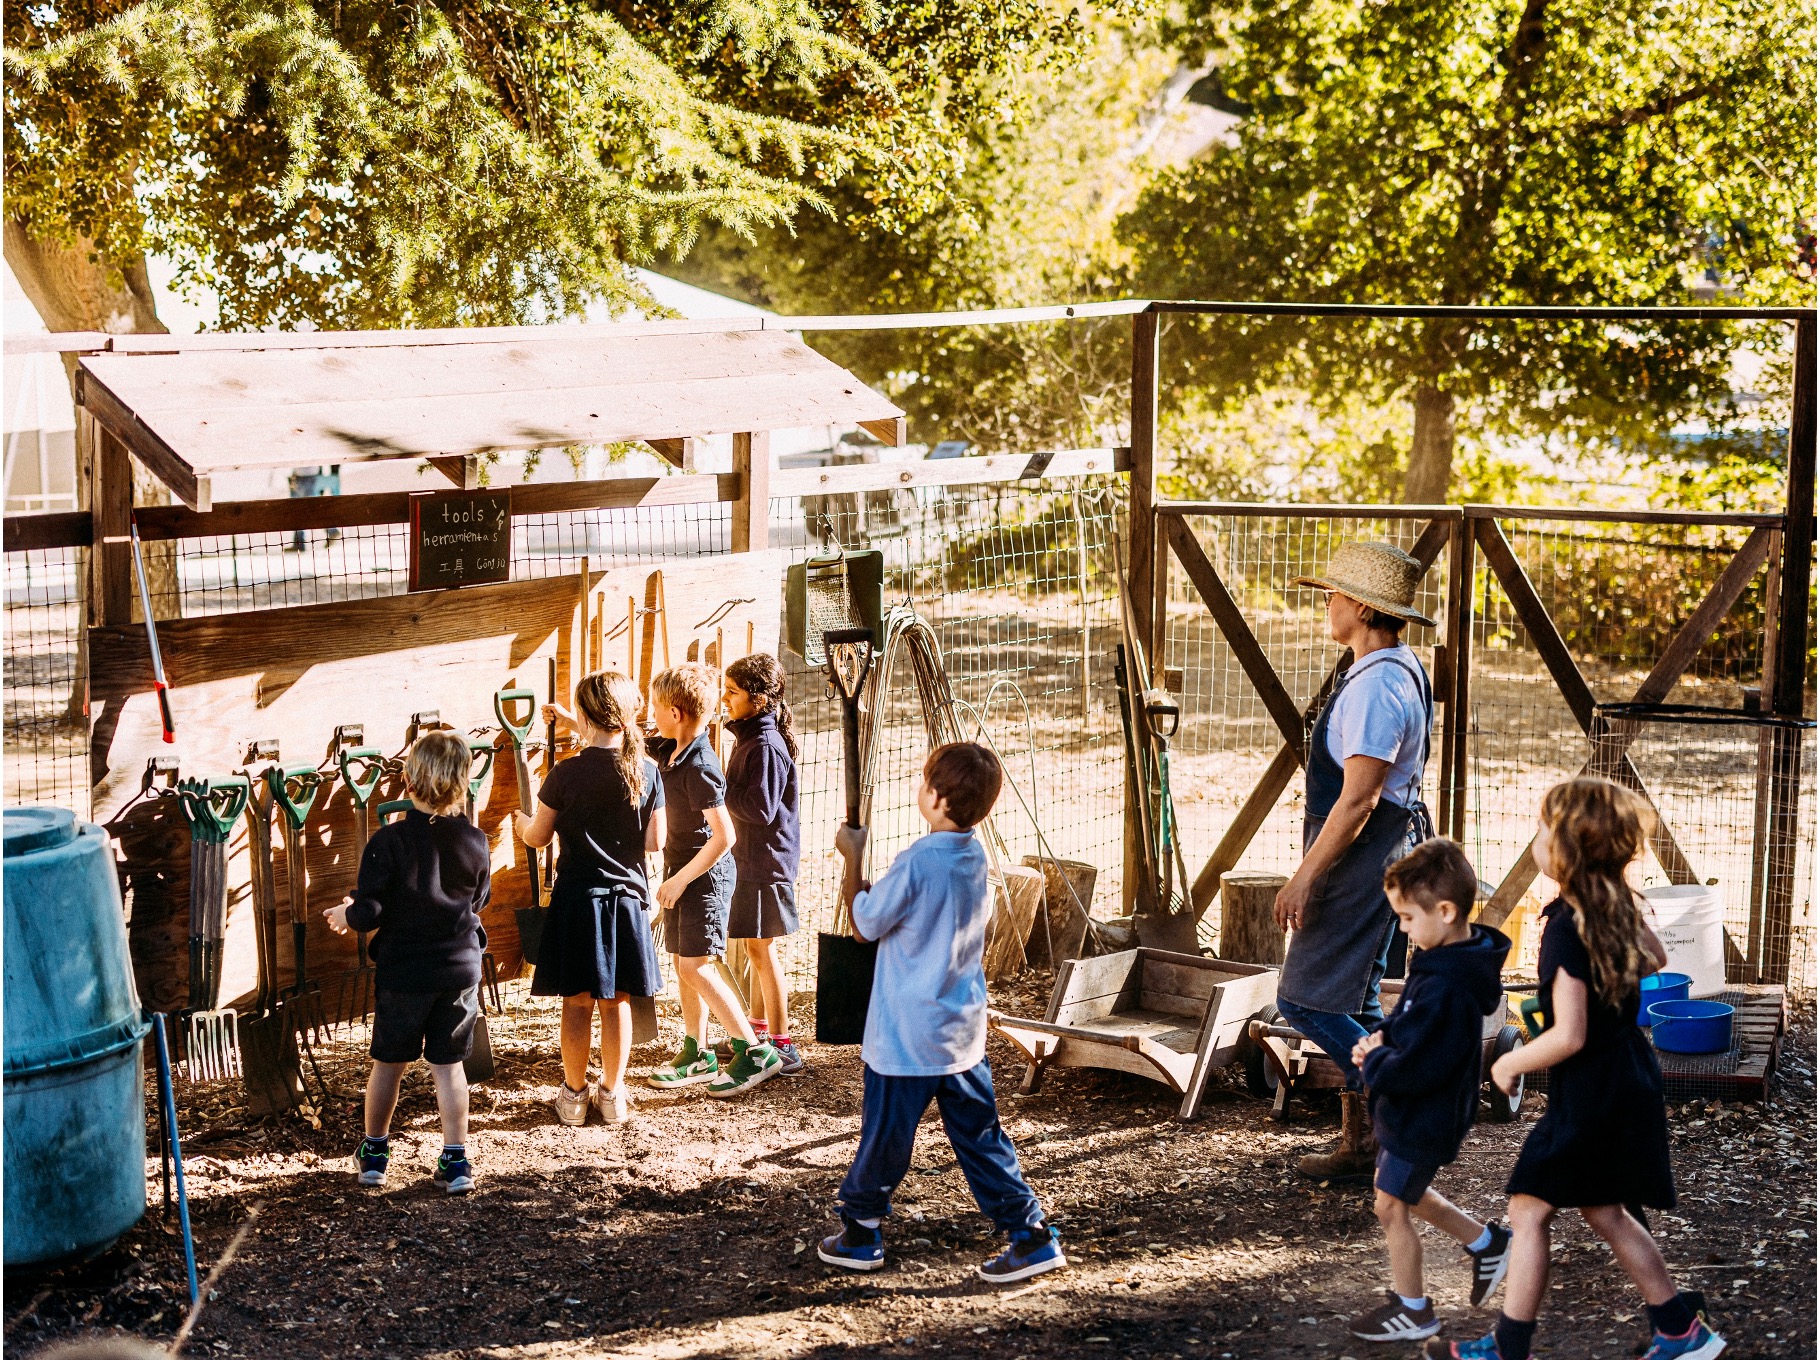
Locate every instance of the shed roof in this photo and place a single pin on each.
(189, 412)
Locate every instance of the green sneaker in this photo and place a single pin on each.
(689, 1067)
(751, 1065)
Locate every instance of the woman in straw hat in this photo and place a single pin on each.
(1364, 809)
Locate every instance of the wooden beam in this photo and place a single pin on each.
(144, 444)
(461, 469)
(230, 341)
(1140, 553)
(679, 453)
(58, 529)
(111, 513)
(1231, 623)
(752, 511)
(1306, 510)
(892, 432)
(977, 471)
(18, 345)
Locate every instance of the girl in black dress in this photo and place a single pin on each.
(600, 806)
(1602, 1148)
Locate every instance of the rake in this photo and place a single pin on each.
(212, 1039)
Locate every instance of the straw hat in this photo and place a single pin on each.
(1376, 574)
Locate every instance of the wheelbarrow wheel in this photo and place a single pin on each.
(1504, 1108)
(1260, 1076)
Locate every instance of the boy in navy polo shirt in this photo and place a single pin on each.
(697, 890)
(423, 882)
(1421, 1071)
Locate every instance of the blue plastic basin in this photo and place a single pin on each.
(1661, 987)
(1691, 1026)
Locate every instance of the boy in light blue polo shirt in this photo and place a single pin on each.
(926, 1029)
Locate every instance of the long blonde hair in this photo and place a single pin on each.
(1598, 829)
(610, 702)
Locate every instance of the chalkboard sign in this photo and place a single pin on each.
(460, 538)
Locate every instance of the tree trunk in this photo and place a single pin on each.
(1431, 448)
(74, 288)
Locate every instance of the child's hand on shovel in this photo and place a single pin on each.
(337, 915)
(850, 842)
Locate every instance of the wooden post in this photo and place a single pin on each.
(752, 511)
(1140, 543)
(1461, 567)
(1766, 767)
(1790, 694)
(1249, 932)
(112, 592)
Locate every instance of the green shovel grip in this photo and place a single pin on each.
(361, 786)
(214, 805)
(308, 779)
(480, 757)
(502, 705)
(396, 807)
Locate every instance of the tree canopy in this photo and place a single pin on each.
(368, 162)
(1474, 151)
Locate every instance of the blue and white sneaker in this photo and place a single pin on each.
(370, 1161)
(1700, 1343)
(454, 1174)
(856, 1247)
(1032, 1252)
(1485, 1348)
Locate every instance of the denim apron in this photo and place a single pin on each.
(1336, 960)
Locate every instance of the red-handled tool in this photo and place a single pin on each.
(151, 636)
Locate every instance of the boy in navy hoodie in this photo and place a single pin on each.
(1421, 1071)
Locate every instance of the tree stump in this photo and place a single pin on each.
(1017, 906)
(1064, 881)
(1248, 930)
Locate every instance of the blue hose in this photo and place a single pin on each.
(168, 1098)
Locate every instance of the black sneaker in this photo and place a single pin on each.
(1489, 1265)
(370, 1161)
(454, 1174)
(793, 1064)
(1034, 1251)
(854, 1247)
(1394, 1320)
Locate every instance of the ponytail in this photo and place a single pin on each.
(610, 702)
(762, 677)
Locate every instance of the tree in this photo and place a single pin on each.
(1472, 152)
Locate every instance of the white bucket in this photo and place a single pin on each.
(1690, 921)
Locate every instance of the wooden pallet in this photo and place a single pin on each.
(1747, 1071)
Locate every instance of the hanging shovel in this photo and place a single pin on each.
(268, 1050)
(212, 1040)
(531, 918)
(479, 1064)
(361, 768)
(294, 791)
(844, 962)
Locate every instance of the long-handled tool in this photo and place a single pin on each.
(167, 1105)
(844, 963)
(549, 763)
(212, 1039)
(361, 768)
(268, 1050)
(505, 703)
(166, 721)
(294, 790)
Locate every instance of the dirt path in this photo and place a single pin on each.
(691, 1231)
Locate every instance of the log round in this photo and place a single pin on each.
(1248, 929)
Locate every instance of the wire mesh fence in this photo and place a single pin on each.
(46, 696)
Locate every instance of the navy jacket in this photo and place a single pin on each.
(1424, 1081)
(761, 799)
(423, 881)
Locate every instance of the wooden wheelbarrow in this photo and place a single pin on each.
(1170, 1017)
(1281, 1061)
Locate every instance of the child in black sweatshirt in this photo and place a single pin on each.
(1422, 1073)
(423, 881)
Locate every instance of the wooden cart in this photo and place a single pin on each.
(1170, 1017)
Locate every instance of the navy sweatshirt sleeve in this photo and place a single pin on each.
(756, 782)
(422, 885)
(1425, 1041)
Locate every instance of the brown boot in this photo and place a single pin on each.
(1356, 1156)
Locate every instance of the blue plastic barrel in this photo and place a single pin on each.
(75, 1075)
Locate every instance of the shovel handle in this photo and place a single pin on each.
(307, 778)
(361, 786)
(503, 702)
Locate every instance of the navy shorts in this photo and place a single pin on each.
(435, 1026)
(1407, 1181)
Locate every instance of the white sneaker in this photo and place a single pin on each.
(572, 1106)
(615, 1106)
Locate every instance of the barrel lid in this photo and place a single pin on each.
(32, 829)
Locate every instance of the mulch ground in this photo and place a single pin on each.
(690, 1231)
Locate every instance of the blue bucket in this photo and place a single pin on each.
(1691, 1026)
(1661, 987)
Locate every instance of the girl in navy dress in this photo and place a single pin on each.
(600, 806)
(1602, 1148)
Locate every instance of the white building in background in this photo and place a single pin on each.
(38, 421)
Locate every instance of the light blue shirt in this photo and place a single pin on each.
(1380, 712)
(929, 914)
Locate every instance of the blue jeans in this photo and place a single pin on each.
(894, 1106)
(1336, 1033)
